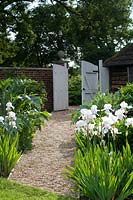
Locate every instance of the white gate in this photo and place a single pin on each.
(103, 77)
(89, 73)
(60, 87)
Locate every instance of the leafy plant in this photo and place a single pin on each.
(27, 124)
(100, 174)
(18, 128)
(27, 97)
(126, 94)
(100, 99)
(25, 94)
(103, 160)
(8, 153)
(75, 89)
(105, 125)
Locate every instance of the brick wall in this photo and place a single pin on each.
(39, 74)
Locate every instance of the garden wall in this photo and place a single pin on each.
(39, 74)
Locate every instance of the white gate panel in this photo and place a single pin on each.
(60, 87)
(89, 74)
(103, 77)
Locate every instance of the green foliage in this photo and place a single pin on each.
(8, 153)
(27, 124)
(26, 132)
(100, 174)
(126, 134)
(83, 29)
(103, 168)
(75, 89)
(97, 24)
(10, 190)
(47, 22)
(91, 30)
(27, 96)
(100, 99)
(18, 128)
(126, 94)
(97, 135)
(14, 17)
(8, 49)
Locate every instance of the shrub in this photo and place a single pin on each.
(103, 160)
(25, 93)
(8, 153)
(75, 89)
(27, 97)
(27, 124)
(124, 94)
(100, 174)
(106, 125)
(100, 100)
(19, 119)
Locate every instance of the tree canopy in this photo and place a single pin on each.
(83, 29)
(14, 18)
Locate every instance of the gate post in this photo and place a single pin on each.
(103, 77)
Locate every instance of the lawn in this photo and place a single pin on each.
(10, 190)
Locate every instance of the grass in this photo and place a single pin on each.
(10, 190)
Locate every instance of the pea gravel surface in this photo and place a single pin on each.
(53, 149)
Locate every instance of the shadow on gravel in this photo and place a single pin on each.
(67, 148)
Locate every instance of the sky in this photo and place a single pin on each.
(34, 4)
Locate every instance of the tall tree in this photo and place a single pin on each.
(91, 30)
(49, 23)
(101, 27)
(95, 28)
(14, 18)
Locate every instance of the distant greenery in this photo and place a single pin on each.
(75, 89)
(10, 190)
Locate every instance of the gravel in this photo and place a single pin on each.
(52, 151)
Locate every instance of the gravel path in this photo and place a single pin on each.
(52, 151)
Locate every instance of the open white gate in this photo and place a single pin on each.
(89, 73)
(60, 87)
